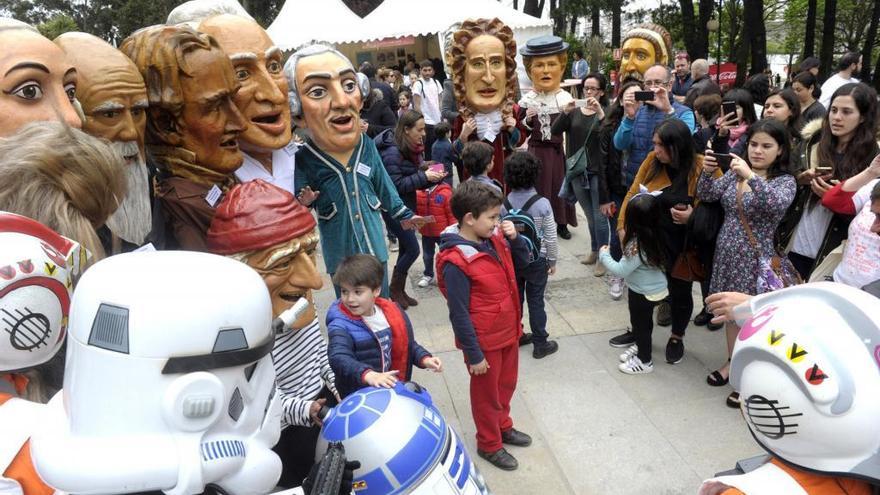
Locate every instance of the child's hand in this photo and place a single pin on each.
(433, 363)
(384, 380)
(480, 368)
(551, 270)
(307, 196)
(604, 248)
(508, 229)
(510, 123)
(314, 409)
(413, 223)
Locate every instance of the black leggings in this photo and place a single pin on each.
(681, 302)
(641, 319)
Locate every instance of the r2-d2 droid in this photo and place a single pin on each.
(402, 443)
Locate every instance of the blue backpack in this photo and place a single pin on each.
(525, 225)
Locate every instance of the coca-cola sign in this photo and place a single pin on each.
(728, 73)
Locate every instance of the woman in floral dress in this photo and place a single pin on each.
(765, 190)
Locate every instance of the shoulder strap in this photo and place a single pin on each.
(528, 204)
(507, 205)
(745, 222)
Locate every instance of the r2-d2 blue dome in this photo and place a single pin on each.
(402, 442)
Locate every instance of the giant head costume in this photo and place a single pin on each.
(644, 46)
(37, 81)
(545, 58)
(266, 228)
(167, 386)
(326, 95)
(807, 365)
(483, 60)
(113, 97)
(193, 125)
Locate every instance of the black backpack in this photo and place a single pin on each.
(525, 225)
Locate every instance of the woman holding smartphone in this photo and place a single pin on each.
(402, 150)
(737, 114)
(834, 149)
(755, 191)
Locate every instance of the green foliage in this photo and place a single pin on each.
(57, 26)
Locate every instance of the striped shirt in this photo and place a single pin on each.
(302, 370)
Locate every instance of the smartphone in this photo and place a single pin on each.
(580, 103)
(824, 170)
(723, 160)
(644, 95)
(728, 107)
(437, 167)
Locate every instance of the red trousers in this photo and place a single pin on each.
(490, 396)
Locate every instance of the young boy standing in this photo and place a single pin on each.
(476, 274)
(371, 338)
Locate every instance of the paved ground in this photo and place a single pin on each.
(595, 430)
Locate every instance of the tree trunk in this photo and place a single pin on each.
(826, 54)
(596, 18)
(744, 48)
(869, 42)
(616, 7)
(735, 21)
(701, 43)
(515, 4)
(876, 80)
(558, 16)
(687, 24)
(810, 29)
(572, 25)
(534, 8)
(755, 18)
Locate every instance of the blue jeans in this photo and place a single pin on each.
(428, 246)
(532, 281)
(409, 245)
(586, 189)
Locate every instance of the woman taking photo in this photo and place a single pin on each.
(732, 128)
(402, 150)
(806, 87)
(755, 193)
(834, 149)
(672, 170)
(581, 128)
(783, 106)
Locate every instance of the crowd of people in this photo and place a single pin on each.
(199, 136)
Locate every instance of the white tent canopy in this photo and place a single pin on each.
(304, 21)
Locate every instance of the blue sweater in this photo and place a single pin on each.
(636, 135)
(643, 279)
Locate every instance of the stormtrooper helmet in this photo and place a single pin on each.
(37, 267)
(169, 383)
(807, 366)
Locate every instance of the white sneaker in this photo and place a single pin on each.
(635, 366)
(616, 288)
(629, 352)
(425, 281)
(393, 246)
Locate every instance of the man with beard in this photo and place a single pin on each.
(643, 46)
(266, 228)
(192, 125)
(339, 169)
(114, 102)
(266, 143)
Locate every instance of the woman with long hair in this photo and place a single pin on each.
(756, 190)
(783, 106)
(402, 150)
(581, 128)
(841, 148)
(806, 87)
(670, 171)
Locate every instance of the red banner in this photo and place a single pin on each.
(390, 42)
(728, 73)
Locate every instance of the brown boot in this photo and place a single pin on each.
(396, 290)
(409, 300)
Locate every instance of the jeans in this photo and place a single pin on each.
(531, 281)
(641, 319)
(409, 245)
(598, 225)
(430, 137)
(428, 246)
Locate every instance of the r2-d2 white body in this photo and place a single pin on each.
(169, 383)
(403, 444)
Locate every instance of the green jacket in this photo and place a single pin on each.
(351, 200)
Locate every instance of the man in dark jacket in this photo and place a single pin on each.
(683, 81)
(387, 91)
(701, 84)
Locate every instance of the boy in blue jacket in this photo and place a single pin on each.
(371, 338)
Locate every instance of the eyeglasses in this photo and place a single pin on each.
(653, 83)
(591, 88)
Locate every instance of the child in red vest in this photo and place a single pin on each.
(371, 338)
(476, 274)
(433, 202)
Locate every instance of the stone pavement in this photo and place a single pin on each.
(595, 429)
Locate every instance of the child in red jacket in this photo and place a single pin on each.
(433, 202)
(477, 276)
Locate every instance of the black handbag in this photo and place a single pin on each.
(706, 222)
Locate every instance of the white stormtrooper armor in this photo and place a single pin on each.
(169, 383)
(807, 366)
(37, 267)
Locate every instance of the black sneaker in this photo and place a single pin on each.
(664, 314)
(714, 326)
(525, 339)
(500, 459)
(545, 349)
(703, 318)
(562, 232)
(674, 350)
(623, 340)
(515, 437)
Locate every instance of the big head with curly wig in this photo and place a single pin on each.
(190, 85)
(484, 67)
(643, 46)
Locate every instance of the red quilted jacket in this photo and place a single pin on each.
(435, 201)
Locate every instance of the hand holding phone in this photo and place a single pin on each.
(437, 167)
(723, 160)
(727, 108)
